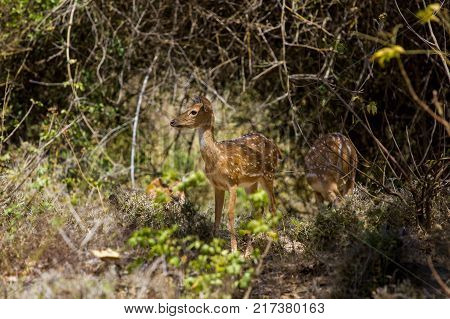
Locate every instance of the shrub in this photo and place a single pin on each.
(368, 243)
(135, 209)
(209, 269)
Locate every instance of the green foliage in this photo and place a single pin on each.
(169, 175)
(15, 210)
(16, 14)
(161, 197)
(429, 13)
(259, 199)
(178, 163)
(371, 108)
(266, 225)
(193, 180)
(208, 266)
(214, 267)
(158, 243)
(386, 54)
(256, 201)
(42, 178)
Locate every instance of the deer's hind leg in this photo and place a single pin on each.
(319, 197)
(231, 205)
(348, 187)
(267, 184)
(350, 183)
(332, 194)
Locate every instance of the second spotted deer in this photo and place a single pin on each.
(331, 167)
(243, 161)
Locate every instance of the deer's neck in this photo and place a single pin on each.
(208, 145)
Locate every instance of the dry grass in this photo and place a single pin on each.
(48, 234)
(369, 247)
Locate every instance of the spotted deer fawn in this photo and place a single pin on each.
(243, 161)
(331, 167)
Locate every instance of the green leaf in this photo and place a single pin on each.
(174, 261)
(386, 54)
(372, 108)
(429, 13)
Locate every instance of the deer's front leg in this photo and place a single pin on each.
(231, 206)
(219, 196)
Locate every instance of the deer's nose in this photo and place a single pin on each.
(173, 123)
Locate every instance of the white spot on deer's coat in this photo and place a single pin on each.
(340, 159)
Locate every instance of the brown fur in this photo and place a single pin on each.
(331, 167)
(244, 161)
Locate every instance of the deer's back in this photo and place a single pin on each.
(248, 157)
(332, 158)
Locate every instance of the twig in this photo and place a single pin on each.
(136, 119)
(438, 278)
(40, 155)
(20, 123)
(67, 240)
(6, 96)
(259, 268)
(308, 22)
(213, 90)
(69, 60)
(47, 83)
(91, 233)
(283, 53)
(418, 100)
(436, 44)
(274, 65)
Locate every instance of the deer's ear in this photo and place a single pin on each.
(206, 104)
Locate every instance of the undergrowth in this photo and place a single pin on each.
(373, 242)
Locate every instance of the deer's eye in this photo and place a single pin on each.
(193, 113)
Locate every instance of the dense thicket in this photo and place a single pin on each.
(291, 60)
(71, 74)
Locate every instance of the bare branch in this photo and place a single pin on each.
(418, 100)
(136, 118)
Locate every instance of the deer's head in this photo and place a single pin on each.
(199, 114)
